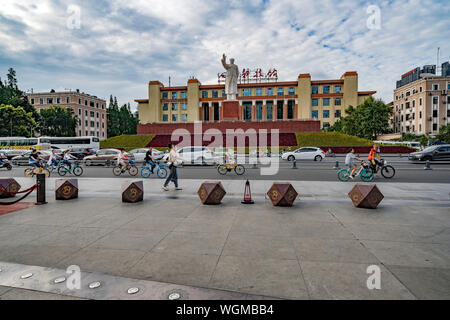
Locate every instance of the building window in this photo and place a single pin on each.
(434, 126)
(49, 100)
(85, 113)
(448, 85)
(204, 94)
(79, 112)
(435, 87)
(184, 117)
(96, 105)
(183, 106)
(174, 117)
(280, 91)
(183, 95)
(420, 101)
(32, 100)
(280, 105)
(97, 115)
(223, 93)
(247, 108)
(58, 100)
(337, 101)
(205, 112)
(165, 117)
(258, 92)
(337, 89)
(174, 95)
(435, 100)
(315, 102)
(326, 125)
(337, 113)
(420, 89)
(85, 102)
(291, 91)
(315, 89)
(103, 116)
(165, 95)
(103, 125)
(165, 106)
(215, 94)
(290, 109)
(86, 123)
(67, 99)
(92, 114)
(259, 110)
(79, 133)
(174, 106)
(79, 100)
(420, 127)
(92, 124)
(86, 133)
(315, 114)
(41, 101)
(420, 114)
(326, 89)
(269, 91)
(326, 113)
(407, 93)
(79, 122)
(247, 92)
(269, 110)
(435, 114)
(326, 101)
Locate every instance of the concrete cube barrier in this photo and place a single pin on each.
(365, 196)
(66, 189)
(211, 192)
(132, 191)
(282, 194)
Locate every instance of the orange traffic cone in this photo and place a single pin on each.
(247, 194)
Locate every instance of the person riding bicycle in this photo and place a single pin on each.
(372, 155)
(67, 157)
(149, 159)
(121, 157)
(52, 160)
(34, 158)
(349, 161)
(229, 161)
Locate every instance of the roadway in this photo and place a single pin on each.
(406, 171)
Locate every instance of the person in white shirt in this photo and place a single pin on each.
(349, 161)
(173, 161)
(67, 157)
(52, 159)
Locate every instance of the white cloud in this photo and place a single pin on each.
(123, 44)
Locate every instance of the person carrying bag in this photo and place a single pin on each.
(173, 162)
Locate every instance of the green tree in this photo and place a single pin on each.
(444, 134)
(10, 94)
(57, 122)
(120, 120)
(15, 121)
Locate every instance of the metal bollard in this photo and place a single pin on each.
(294, 164)
(40, 191)
(427, 166)
(254, 166)
(336, 166)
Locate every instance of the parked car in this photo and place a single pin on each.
(23, 159)
(437, 152)
(103, 156)
(139, 154)
(195, 155)
(80, 153)
(306, 153)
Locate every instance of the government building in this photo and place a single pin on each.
(271, 101)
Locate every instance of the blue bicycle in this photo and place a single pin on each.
(160, 168)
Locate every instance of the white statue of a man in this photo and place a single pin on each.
(231, 78)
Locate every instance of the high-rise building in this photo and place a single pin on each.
(89, 110)
(422, 101)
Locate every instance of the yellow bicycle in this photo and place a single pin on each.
(224, 168)
(31, 172)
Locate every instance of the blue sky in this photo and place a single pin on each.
(121, 45)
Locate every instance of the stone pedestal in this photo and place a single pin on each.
(8, 184)
(211, 192)
(66, 189)
(282, 194)
(230, 110)
(366, 196)
(132, 191)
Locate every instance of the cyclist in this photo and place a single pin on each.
(349, 161)
(373, 162)
(228, 159)
(52, 159)
(121, 161)
(149, 159)
(34, 158)
(67, 157)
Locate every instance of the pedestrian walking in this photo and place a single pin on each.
(173, 162)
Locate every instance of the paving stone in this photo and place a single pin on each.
(153, 224)
(74, 237)
(36, 255)
(130, 240)
(23, 294)
(272, 277)
(345, 281)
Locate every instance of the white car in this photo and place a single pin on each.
(306, 153)
(139, 154)
(195, 155)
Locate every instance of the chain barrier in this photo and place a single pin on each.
(26, 191)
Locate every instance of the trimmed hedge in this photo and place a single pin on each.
(313, 139)
(127, 142)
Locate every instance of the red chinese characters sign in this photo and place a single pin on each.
(251, 76)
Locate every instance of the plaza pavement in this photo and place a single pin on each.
(318, 249)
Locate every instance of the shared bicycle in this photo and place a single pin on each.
(364, 172)
(130, 167)
(75, 169)
(224, 168)
(161, 170)
(31, 172)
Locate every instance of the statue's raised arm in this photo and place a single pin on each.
(231, 77)
(224, 61)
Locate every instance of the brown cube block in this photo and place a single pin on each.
(366, 196)
(282, 194)
(211, 192)
(8, 184)
(66, 189)
(132, 191)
